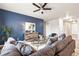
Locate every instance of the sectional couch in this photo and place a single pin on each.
(63, 47)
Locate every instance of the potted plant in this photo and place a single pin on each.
(7, 31)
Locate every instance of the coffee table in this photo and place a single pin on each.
(38, 44)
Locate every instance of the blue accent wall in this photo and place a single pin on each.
(1, 17)
(15, 21)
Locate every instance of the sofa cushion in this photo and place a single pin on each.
(46, 51)
(10, 50)
(61, 44)
(68, 50)
(25, 49)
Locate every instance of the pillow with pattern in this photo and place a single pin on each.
(25, 49)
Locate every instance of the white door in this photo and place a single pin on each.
(75, 30)
(67, 28)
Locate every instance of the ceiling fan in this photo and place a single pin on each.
(41, 7)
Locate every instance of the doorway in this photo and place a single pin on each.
(67, 27)
(71, 28)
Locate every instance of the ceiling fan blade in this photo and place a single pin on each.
(36, 10)
(36, 5)
(47, 8)
(44, 5)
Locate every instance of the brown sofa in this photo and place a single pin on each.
(63, 47)
(1, 46)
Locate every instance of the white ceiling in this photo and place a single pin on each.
(58, 10)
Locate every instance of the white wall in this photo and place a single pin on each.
(78, 28)
(52, 27)
(61, 25)
(56, 26)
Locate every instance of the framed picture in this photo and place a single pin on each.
(29, 26)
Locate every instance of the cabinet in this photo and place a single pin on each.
(31, 36)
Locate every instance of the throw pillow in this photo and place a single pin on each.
(62, 36)
(52, 40)
(25, 49)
